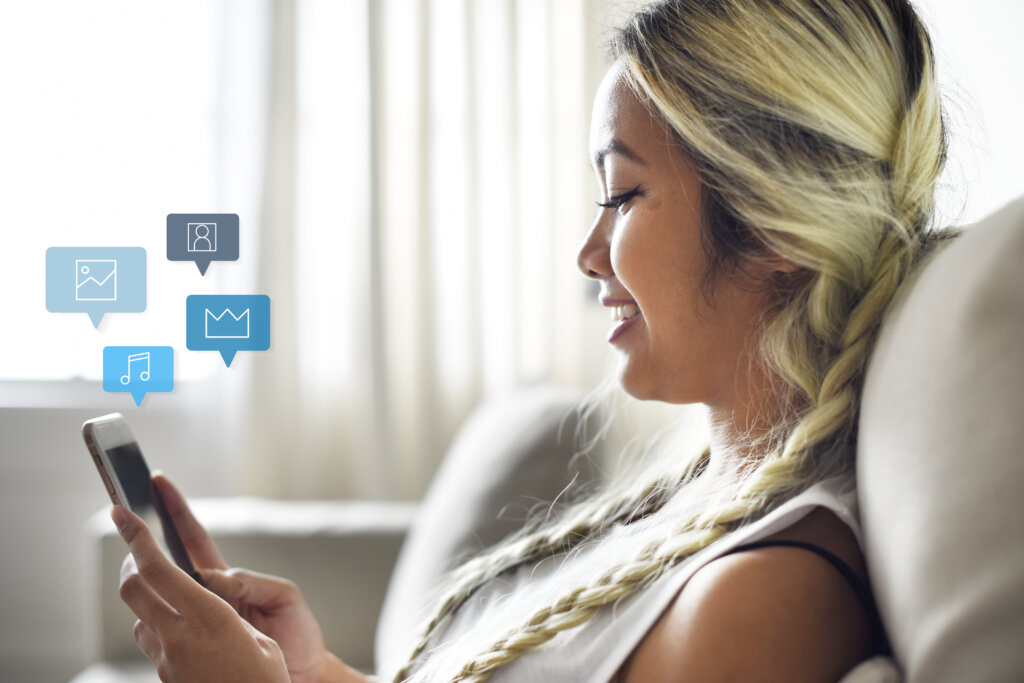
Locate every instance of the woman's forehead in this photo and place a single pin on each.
(621, 123)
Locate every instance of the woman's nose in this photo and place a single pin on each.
(594, 258)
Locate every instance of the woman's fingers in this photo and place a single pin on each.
(200, 546)
(225, 585)
(154, 587)
(142, 599)
(147, 641)
(253, 588)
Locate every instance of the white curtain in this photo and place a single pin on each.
(426, 186)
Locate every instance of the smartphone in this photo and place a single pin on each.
(125, 474)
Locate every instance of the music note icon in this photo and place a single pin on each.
(137, 358)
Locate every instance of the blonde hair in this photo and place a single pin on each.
(817, 132)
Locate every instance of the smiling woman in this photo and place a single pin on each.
(767, 172)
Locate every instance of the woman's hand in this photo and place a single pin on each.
(276, 608)
(189, 633)
(273, 606)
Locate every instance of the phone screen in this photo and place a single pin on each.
(128, 468)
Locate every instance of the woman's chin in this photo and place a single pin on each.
(651, 385)
(635, 382)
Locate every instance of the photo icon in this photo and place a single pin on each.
(96, 280)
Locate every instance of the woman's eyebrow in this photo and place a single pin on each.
(616, 146)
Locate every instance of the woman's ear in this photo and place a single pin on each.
(786, 277)
(777, 264)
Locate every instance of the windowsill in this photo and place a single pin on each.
(80, 393)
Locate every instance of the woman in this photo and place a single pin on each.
(767, 171)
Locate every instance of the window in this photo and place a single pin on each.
(111, 124)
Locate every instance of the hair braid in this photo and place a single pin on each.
(582, 603)
(920, 147)
(579, 522)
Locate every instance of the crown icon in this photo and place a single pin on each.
(227, 325)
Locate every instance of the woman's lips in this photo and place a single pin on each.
(627, 315)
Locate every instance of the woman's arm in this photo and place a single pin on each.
(770, 614)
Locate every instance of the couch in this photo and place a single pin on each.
(940, 475)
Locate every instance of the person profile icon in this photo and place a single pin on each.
(202, 237)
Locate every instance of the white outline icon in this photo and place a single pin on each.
(144, 375)
(83, 267)
(227, 311)
(209, 236)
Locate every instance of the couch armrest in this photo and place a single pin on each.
(340, 554)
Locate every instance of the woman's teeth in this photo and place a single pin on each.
(623, 312)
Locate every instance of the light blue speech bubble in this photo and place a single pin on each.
(227, 323)
(96, 280)
(138, 370)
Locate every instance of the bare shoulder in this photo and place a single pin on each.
(776, 613)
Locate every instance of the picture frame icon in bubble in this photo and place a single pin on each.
(96, 280)
(202, 238)
(227, 323)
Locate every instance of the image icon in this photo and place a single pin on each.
(138, 370)
(227, 323)
(96, 280)
(202, 238)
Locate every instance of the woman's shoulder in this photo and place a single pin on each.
(779, 608)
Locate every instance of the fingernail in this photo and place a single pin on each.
(120, 517)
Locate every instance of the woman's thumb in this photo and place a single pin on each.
(240, 586)
(227, 585)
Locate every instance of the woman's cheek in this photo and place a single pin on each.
(623, 251)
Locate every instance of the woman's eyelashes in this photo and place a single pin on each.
(618, 200)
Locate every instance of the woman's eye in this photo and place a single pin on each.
(619, 199)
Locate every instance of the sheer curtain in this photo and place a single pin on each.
(427, 185)
(424, 188)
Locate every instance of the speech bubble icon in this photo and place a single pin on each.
(95, 280)
(227, 323)
(202, 237)
(138, 370)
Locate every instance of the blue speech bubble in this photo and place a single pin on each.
(202, 237)
(138, 369)
(227, 323)
(96, 280)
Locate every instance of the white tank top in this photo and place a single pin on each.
(594, 651)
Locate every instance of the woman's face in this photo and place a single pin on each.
(646, 253)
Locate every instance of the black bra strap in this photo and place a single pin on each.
(859, 587)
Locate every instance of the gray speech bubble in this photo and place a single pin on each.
(202, 237)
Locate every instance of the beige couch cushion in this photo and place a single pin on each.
(941, 461)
